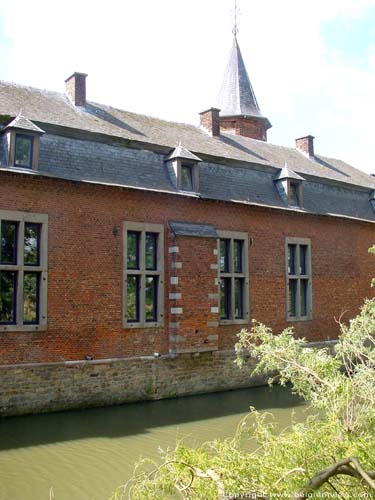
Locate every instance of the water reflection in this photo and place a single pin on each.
(86, 454)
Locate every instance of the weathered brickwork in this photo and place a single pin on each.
(85, 270)
(245, 126)
(62, 386)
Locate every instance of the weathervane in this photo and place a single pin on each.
(236, 13)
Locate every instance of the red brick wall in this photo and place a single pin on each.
(247, 127)
(85, 268)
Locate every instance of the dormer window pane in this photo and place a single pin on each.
(294, 198)
(187, 178)
(23, 151)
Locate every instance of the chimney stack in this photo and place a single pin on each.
(75, 88)
(210, 121)
(306, 145)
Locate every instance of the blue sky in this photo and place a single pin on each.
(312, 65)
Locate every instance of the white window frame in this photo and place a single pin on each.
(235, 235)
(22, 218)
(144, 228)
(297, 276)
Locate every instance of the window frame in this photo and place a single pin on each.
(244, 237)
(180, 162)
(20, 268)
(31, 139)
(35, 138)
(142, 272)
(299, 193)
(299, 277)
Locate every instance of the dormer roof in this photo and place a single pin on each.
(183, 153)
(288, 173)
(20, 122)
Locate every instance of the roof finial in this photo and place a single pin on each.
(235, 21)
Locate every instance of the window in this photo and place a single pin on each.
(233, 277)
(143, 275)
(23, 156)
(23, 271)
(294, 194)
(187, 182)
(298, 277)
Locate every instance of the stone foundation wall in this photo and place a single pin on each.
(35, 388)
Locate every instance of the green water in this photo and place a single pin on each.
(85, 455)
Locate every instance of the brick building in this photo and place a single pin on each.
(134, 249)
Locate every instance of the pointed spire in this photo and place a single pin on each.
(237, 96)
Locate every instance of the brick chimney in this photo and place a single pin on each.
(75, 88)
(306, 145)
(210, 121)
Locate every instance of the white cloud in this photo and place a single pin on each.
(166, 58)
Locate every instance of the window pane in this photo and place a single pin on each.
(238, 298)
(31, 298)
(32, 244)
(133, 249)
(292, 297)
(237, 257)
(151, 251)
(303, 259)
(303, 291)
(24, 151)
(294, 199)
(151, 298)
(224, 256)
(225, 299)
(186, 178)
(8, 242)
(7, 297)
(291, 259)
(132, 299)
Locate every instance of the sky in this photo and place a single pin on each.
(311, 64)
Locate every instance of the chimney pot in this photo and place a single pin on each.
(75, 88)
(210, 121)
(306, 145)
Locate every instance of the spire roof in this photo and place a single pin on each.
(237, 96)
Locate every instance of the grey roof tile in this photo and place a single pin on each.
(46, 107)
(22, 123)
(237, 96)
(288, 173)
(192, 229)
(181, 152)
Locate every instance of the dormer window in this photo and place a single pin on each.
(295, 189)
(23, 155)
(187, 180)
(183, 167)
(22, 138)
(290, 187)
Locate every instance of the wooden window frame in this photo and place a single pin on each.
(195, 174)
(299, 190)
(299, 277)
(12, 148)
(144, 228)
(23, 218)
(235, 235)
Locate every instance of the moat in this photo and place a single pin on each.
(85, 455)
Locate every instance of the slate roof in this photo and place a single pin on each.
(181, 152)
(22, 123)
(47, 107)
(237, 96)
(288, 173)
(193, 229)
